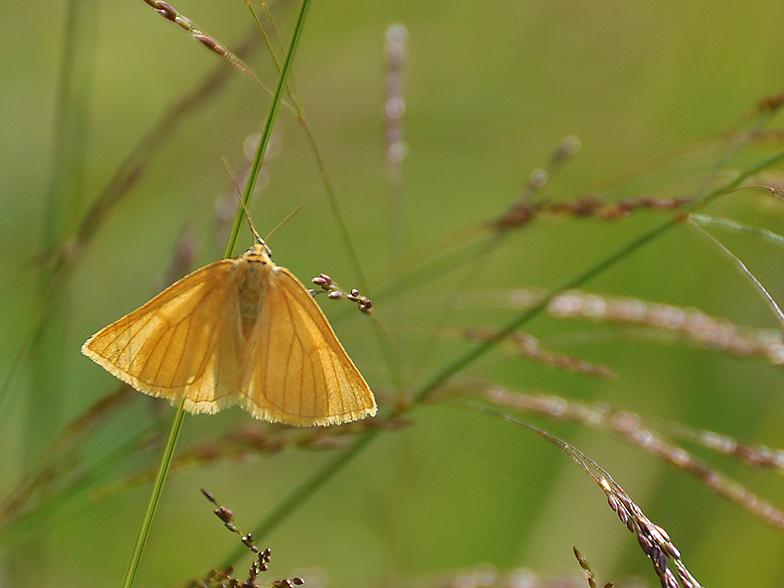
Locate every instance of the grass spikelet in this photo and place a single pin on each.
(170, 13)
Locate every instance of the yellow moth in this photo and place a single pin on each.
(238, 331)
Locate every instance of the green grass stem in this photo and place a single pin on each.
(155, 496)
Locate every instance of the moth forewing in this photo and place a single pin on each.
(182, 343)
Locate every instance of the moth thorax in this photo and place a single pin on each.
(250, 294)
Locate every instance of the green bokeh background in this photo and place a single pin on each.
(491, 89)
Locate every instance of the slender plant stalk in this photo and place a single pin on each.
(746, 272)
(179, 417)
(155, 496)
(738, 228)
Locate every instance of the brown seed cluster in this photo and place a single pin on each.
(334, 292)
(584, 207)
(170, 13)
(527, 346)
(694, 325)
(654, 541)
(224, 579)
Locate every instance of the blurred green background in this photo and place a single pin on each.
(491, 89)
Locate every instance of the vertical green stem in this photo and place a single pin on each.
(155, 495)
(174, 433)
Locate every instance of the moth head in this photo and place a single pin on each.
(262, 244)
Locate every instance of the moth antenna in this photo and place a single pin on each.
(296, 210)
(253, 230)
(259, 240)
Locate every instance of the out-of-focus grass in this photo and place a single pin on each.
(491, 90)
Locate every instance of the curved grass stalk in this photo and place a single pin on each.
(738, 228)
(761, 290)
